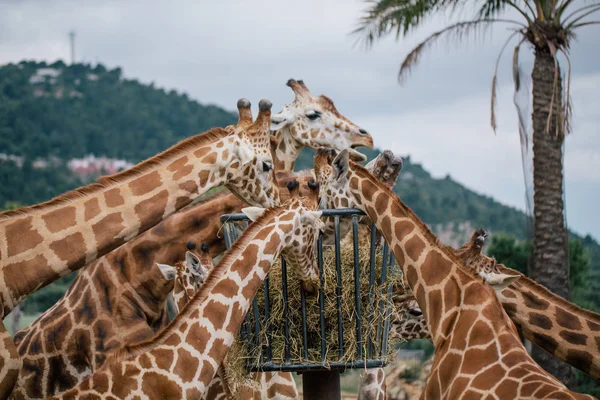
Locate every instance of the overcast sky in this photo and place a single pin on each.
(220, 51)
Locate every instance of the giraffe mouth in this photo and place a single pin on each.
(356, 155)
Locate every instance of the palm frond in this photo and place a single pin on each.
(515, 65)
(585, 24)
(568, 103)
(552, 48)
(578, 11)
(562, 8)
(385, 16)
(492, 8)
(495, 81)
(457, 31)
(574, 21)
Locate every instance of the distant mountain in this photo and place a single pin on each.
(56, 113)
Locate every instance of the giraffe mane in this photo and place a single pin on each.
(562, 302)
(429, 236)
(216, 273)
(209, 136)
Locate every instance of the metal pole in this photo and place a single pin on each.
(72, 39)
(321, 385)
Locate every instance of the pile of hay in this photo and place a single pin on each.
(244, 353)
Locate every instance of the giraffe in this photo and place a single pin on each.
(561, 328)
(313, 122)
(127, 203)
(181, 360)
(477, 349)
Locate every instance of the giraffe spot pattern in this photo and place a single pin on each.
(414, 247)
(540, 320)
(69, 247)
(59, 220)
(532, 301)
(488, 378)
(145, 184)
(91, 208)
(574, 338)
(546, 342)
(440, 268)
(154, 384)
(113, 198)
(107, 227)
(151, 210)
(579, 359)
(21, 236)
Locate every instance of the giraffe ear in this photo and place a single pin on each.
(309, 217)
(499, 281)
(192, 260)
(168, 271)
(340, 164)
(253, 212)
(281, 120)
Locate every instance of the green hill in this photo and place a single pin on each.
(57, 112)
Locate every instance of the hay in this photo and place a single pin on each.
(245, 353)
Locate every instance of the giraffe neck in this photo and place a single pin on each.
(213, 316)
(372, 384)
(287, 150)
(60, 236)
(558, 326)
(431, 270)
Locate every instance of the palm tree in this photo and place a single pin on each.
(549, 26)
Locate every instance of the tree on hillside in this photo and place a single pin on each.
(549, 26)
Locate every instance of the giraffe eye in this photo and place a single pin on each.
(313, 115)
(267, 167)
(415, 312)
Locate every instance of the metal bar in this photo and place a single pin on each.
(304, 328)
(371, 285)
(268, 320)
(338, 288)
(318, 366)
(286, 322)
(321, 296)
(388, 309)
(357, 287)
(382, 279)
(256, 336)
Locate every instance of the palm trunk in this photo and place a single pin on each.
(550, 237)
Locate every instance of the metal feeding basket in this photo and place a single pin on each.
(374, 268)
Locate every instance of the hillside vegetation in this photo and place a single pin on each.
(57, 112)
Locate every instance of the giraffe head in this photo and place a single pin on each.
(407, 320)
(300, 241)
(252, 179)
(486, 267)
(315, 122)
(191, 274)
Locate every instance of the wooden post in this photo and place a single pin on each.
(321, 385)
